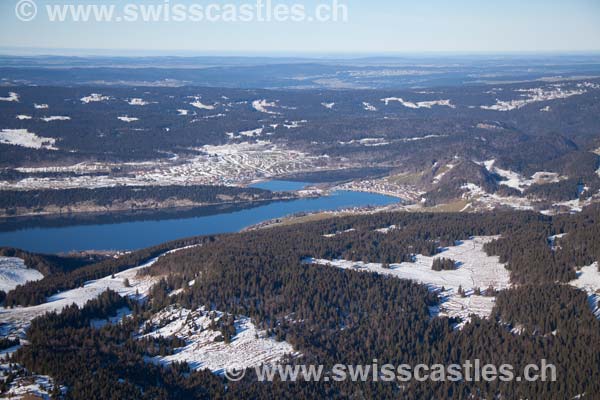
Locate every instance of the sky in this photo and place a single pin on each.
(373, 27)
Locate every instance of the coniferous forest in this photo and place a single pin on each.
(332, 315)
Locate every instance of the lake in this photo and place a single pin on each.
(130, 235)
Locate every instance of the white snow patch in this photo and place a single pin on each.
(489, 127)
(23, 117)
(249, 347)
(330, 235)
(18, 318)
(250, 133)
(491, 201)
(294, 124)
(439, 176)
(588, 279)
(476, 270)
(368, 106)
(545, 109)
(94, 98)
(33, 386)
(367, 142)
(387, 230)
(418, 138)
(328, 105)
(56, 118)
(535, 95)
(41, 106)
(263, 106)
(137, 102)
(14, 272)
(517, 181)
(183, 112)
(12, 96)
(24, 138)
(198, 104)
(420, 104)
(552, 241)
(128, 119)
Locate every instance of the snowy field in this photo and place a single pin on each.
(249, 347)
(16, 320)
(24, 138)
(127, 119)
(12, 97)
(201, 106)
(588, 279)
(517, 181)
(14, 272)
(420, 104)
(264, 106)
(536, 95)
(56, 118)
(368, 106)
(27, 387)
(137, 102)
(478, 198)
(94, 98)
(476, 270)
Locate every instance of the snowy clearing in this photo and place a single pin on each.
(367, 142)
(24, 117)
(536, 95)
(56, 118)
(294, 124)
(14, 272)
(183, 112)
(199, 105)
(387, 230)
(137, 102)
(476, 270)
(328, 105)
(588, 279)
(128, 119)
(418, 138)
(94, 98)
(12, 96)
(420, 104)
(490, 201)
(41, 106)
(263, 106)
(27, 387)
(249, 347)
(16, 320)
(330, 235)
(516, 181)
(369, 106)
(24, 138)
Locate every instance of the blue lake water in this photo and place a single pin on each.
(139, 234)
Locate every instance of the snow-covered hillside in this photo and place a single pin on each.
(14, 272)
(476, 270)
(24, 138)
(248, 348)
(588, 279)
(16, 320)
